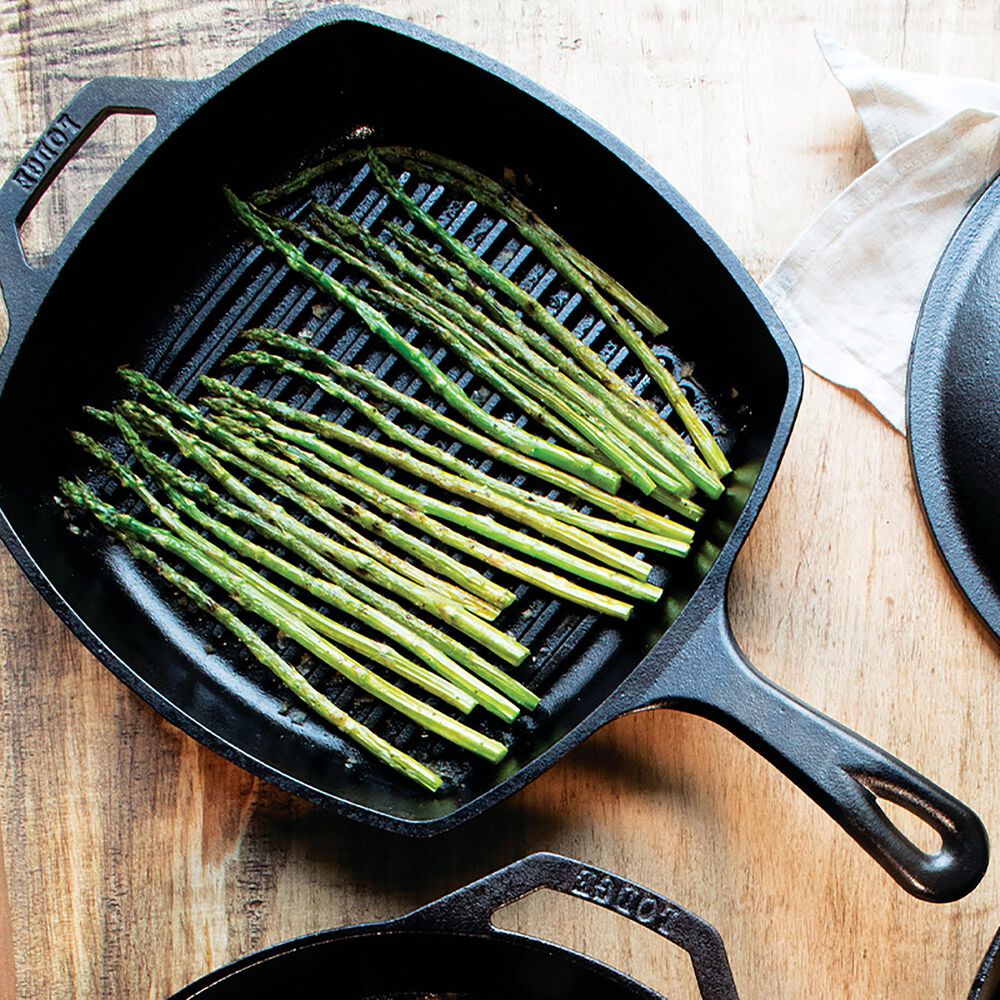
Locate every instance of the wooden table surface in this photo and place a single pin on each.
(134, 860)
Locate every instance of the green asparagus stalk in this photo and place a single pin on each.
(585, 412)
(358, 563)
(379, 748)
(256, 601)
(585, 280)
(552, 554)
(537, 312)
(448, 691)
(625, 511)
(393, 431)
(272, 520)
(516, 438)
(545, 407)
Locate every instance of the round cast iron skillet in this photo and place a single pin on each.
(953, 414)
(157, 274)
(450, 947)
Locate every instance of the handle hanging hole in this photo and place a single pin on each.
(604, 935)
(922, 836)
(79, 180)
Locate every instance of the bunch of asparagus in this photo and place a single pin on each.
(366, 546)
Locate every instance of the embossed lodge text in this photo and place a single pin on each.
(46, 151)
(617, 894)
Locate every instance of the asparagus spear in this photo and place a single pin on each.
(623, 510)
(492, 638)
(448, 691)
(513, 436)
(534, 309)
(259, 603)
(269, 517)
(390, 429)
(559, 531)
(585, 279)
(296, 443)
(585, 411)
(382, 749)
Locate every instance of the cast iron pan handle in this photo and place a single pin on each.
(470, 910)
(24, 285)
(841, 771)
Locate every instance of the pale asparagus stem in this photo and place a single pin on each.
(537, 312)
(455, 465)
(326, 590)
(385, 655)
(448, 390)
(544, 579)
(556, 424)
(379, 748)
(568, 264)
(587, 413)
(499, 642)
(312, 542)
(565, 534)
(624, 510)
(258, 603)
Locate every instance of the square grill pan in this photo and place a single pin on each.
(157, 274)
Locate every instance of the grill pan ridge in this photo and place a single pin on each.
(177, 305)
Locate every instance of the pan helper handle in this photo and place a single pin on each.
(24, 286)
(841, 771)
(470, 910)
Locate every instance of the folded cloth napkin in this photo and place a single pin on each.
(849, 291)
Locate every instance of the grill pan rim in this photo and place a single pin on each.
(186, 100)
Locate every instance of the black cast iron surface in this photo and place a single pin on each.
(987, 982)
(450, 948)
(953, 413)
(157, 274)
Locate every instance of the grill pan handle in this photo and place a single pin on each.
(470, 910)
(841, 771)
(24, 285)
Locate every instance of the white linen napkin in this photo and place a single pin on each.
(850, 289)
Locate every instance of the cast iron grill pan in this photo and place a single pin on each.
(156, 273)
(571, 647)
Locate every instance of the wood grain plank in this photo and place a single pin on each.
(136, 860)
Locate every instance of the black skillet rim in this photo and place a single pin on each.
(924, 380)
(187, 98)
